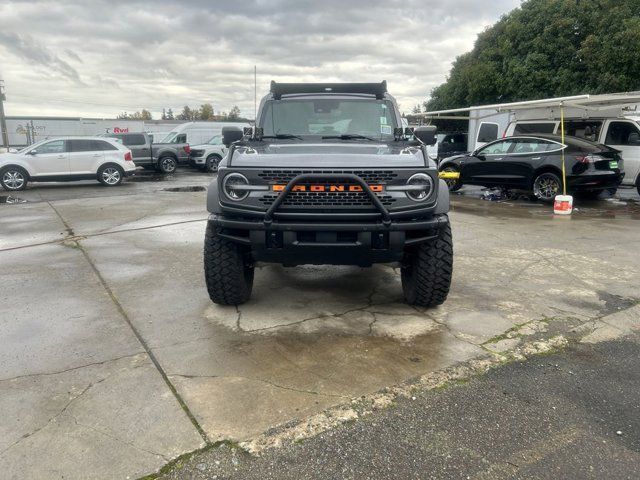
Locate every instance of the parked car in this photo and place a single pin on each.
(162, 157)
(70, 158)
(450, 144)
(534, 163)
(196, 133)
(208, 155)
(620, 133)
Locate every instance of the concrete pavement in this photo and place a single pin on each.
(114, 343)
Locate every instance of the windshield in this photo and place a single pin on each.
(327, 117)
(215, 140)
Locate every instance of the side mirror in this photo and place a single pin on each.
(13, 150)
(426, 135)
(32, 152)
(230, 135)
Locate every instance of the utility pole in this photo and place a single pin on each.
(3, 120)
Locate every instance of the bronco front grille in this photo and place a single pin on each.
(325, 199)
(369, 176)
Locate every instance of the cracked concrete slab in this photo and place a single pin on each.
(310, 338)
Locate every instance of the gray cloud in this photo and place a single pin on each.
(171, 53)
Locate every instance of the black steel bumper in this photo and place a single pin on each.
(332, 243)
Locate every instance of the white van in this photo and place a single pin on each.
(621, 133)
(198, 133)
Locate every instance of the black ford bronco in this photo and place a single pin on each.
(328, 175)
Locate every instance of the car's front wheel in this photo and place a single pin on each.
(167, 164)
(211, 165)
(110, 175)
(14, 178)
(228, 269)
(546, 186)
(427, 269)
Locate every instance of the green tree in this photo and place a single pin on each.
(144, 114)
(548, 48)
(206, 112)
(187, 114)
(170, 114)
(234, 113)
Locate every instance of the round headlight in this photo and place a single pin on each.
(422, 185)
(232, 186)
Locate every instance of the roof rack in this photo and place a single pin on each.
(280, 89)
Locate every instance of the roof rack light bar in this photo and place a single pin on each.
(280, 89)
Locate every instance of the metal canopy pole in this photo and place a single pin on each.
(564, 172)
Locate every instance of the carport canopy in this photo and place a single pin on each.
(591, 103)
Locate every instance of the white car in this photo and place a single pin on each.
(208, 155)
(64, 159)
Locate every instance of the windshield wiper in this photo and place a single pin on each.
(349, 136)
(283, 136)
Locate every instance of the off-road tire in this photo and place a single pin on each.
(228, 273)
(167, 164)
(10, 178)
(427, 269)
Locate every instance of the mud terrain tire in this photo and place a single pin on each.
(427, 270)
(228, 273)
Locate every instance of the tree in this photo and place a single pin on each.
(144, 114)
(206, 112)
(170, 114)
(234, 113)
(164, 114)
(548, 48)
(416, 109)
(186, 114)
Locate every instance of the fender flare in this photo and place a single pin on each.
(213, 198)
(443, 198)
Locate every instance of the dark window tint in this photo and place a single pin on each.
(587, 129)
(56, 146)
(488, 132)
(102, 145)
(623, 133)
(82, 146)
(524, 146)
(497, 148)
(133, 139)
(524, 128)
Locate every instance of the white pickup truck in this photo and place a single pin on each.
(207, 156)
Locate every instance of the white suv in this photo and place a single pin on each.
(69, 158)
(208, 155)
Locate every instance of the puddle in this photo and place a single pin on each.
(157, 177)
(191, 188)
(10, 199)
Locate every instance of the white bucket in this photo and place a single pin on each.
(563, 205)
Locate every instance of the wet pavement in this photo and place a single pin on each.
(115, 347)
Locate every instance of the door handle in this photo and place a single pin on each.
(96, 154)
(536, 158)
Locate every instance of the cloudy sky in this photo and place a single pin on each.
(99, 58)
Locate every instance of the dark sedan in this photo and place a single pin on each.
(534, 163)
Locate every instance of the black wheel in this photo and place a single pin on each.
(167, 164)
(110, 175)
(14, 179)
(211, 165)
(453, 184)
(427, 269)
(638, 184)
(546, 186)
(228, 269)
